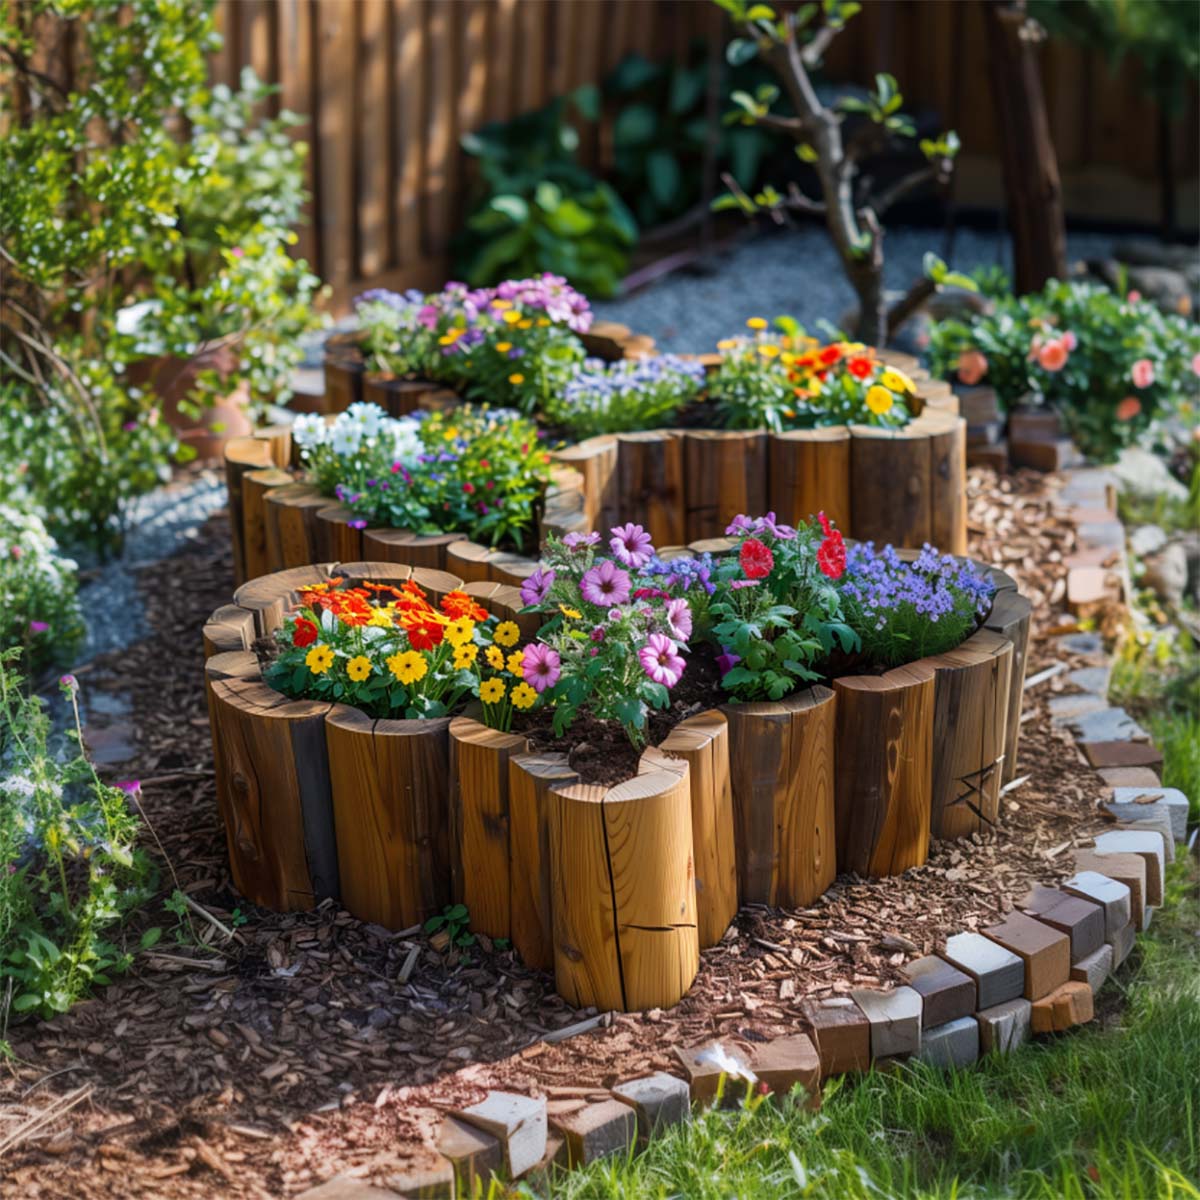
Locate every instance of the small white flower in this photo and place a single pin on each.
(309, 431)
(366, 417)
(347, 437)
(727, 1063)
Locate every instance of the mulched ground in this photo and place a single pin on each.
(262, 1065)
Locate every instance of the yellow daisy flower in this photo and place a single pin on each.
(503, 347)
(511, 316)
(727, 344)
(319, 659)
(408, 667)
(491, 691)
(523, 696)
(543, 322)
(500, 305)
(516, 378)
(573, 613)
(897, 381)
(516, 662)
(459, 632)
(769, 350)
(879, 400)
(358, 668)
(756, 323)
(506, 634)
(526, 324)
(381, 616)
(495, 658)
(464, 656)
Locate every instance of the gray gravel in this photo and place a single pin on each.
(795, 272)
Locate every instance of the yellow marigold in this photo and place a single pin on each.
(506, 634)
(358, 668)
(526, 324)
(464, 656)
(381, 616)
(572, 613)
(727, 344)
(516, 662)
(503, 347)
(460, 631)
(319, 659)
(516, 378)
(500, 305)
(408, 667)
(523, 696)
(879, 400)
(511, 316)
(769, 350)
(756, 323)
(449, 338)
(897, 381)
(495, 658)
(491, 691)
(787, 359)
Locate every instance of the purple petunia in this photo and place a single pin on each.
(536, 588)
(574, 540)
(727, 660)
(605, 585)
(679, 619)
(540, 666)
(632, 545)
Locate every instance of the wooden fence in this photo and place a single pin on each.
(389, 86)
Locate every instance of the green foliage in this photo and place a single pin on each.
(456, 921)
(1107, 400)
(70, 872)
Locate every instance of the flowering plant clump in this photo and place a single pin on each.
(1109, 363)
(614, 646)
(690, 577)
(777, 610)
(788, 381)
(392, 653)
(907, 610)
(475, 471)
(39, 612)
(394, 338)
(627, 395)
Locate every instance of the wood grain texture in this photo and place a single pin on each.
(279, 438)
(970, 725)
(291, 519)
(1010, 617)
(948, 478)
(468, 560)
(702, 744)
(390, 787)
(270, 596)
(242, 455)
(404, 546)
(884, 769)
(808, 473)
(891, 483)
(782, 771)
(256, 485)
(479, 822)
(343, 383)
(725, 473)
(399, 397)
(530, 778)
(337, 540)
(230, 628)
(650, 483)
(596, 461)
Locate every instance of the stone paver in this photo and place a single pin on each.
(1070, 1004)
(946, 992)
(1160, 822)
(783, 1063)
(1148, 845)
(659, 1100)
(1134, 777)
(1081, 920)
(1090, 679)
(1129, 869)
(998, 973)
(1112, 895)
(1004, 1027)
(843, 1034)
(1045, 951)
(1107, 725)
(1105, 754)
(1094, 969)
(474, 1153)
(1084, 644)
(1064, 709)
(1128, 803)
(596, 1131)
(895, 1018)
(953, 1044)
(519, 1122)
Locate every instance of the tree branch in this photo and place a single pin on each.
(908, 304)
(935, 172)
(815, 50)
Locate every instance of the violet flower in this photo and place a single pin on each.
(605, 585)
(679, 619)
(536, 588)
(540, 666)
(661, 661)
(632, 545)
(727, 660)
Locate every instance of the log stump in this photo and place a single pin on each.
(343, 380)
(242, 455)
(810, 473)
(725, 473)
(947, 435)
(337, 539)
(596, 461)
(884, 769)
(270, 596)
(650, 484)
(291, 514)
(891, 481)
(230, 628)
(404, 546)
(1010, 618)
(256, 487)
(398, 397)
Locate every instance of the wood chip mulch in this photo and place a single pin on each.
(261, 1066)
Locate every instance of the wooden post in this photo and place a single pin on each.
(399, 397)
(230, 628)
(343, 380)
(468, 560)
(479, 842)
(891, 479)
(1010, 618)
(623, 896)
(725, 473)
(530, 778)
(884, 769)
(279, 438)
(596, 460)
(292, 525)
(337, 540)
(948, 476)
(256, 485)
(809, 472)
(781, 760)
(390, 784)
(650, 483)
(404, 546)
(270, 596)
(241, 455)
(970, 719)
(701, 744)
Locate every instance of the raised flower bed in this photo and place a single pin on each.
(614, 868)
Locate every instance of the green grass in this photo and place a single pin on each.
(1108, 1110)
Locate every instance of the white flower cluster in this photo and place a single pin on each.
(23, 536)
(361, 425)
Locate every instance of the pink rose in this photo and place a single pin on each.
(1142, 373)
(972, 367)
(1134, 296)
(1053, 355)
(1069, 340)
(1128, 408)
(1196, 364)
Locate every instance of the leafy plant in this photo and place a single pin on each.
(455, 920)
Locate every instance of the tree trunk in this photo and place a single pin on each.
(1031, 180)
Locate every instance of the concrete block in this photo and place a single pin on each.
(519, 1122)
(473, 1153)
(1112, 896)
(842, 1032)
(1081, 920)
(1129, 869)
(596, 1131)
(783, 1063)
(946, 992)
(1160, 822)
(1064, 709)
(1045, 952)
(658, 1100)
(1090, 679)
(953, 1044)
(706, 1063)
(1130, 803)
(998, 973)
(895, 1018)
(1003, 1027)
(1095, 969)
(1149, 846)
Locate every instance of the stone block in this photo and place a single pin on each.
(1045, 952)
(952, 1044)
(1003, 1027)
(519, 1122)
(1160, 822)
(1035, 425)
(842, 1032)
(1087, 589)
(432, 1180)
(946, 992)
(1122, 943)
(1064, 709)
(783, 1063)
(706, 1063)
(1134, 777)
(1112, 896)
(1083, 643)
(473, 1153)
(1107, 725)
(1149, 846)
(658, 1100)
(1090, 679)
(596, 1131)
(1070, 1004)
(998, 973)
(895, 1018)
(1095, 969)
(1042, 455)
(1121, 754)
(1131, 803)
(1129, 869)
(1109, 534)
(1081, 920)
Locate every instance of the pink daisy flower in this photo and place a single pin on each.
(540, 666)
(605, 585)
(632, 545)
(661, 661)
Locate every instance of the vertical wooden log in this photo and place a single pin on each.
(1010, 618)
(808, 473)
(271, 596)
(404, 546)
(725, 473)
(884, 769)
(279, 438)
(650, 483)
(948, 476)
(468, 560)
(530, 778)
(701, 743)
(479, 843)
(390, 785)
(291, 516)
(781, 759)
(970, 719)
(343, 382)
(596, 460)
(337, 539)
(241, 455)
(229, 629)
(891, 484)
(399, 397)
(563, 512)
(255, 487)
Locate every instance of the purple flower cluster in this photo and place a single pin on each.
(683, 573)
(758, 526)
(932, 585)
(631, 394)
(550, 294)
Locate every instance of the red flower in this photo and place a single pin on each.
(831, 554)
(305, 633)
(756, 559)
(459, 604)
(860, 368)
(830, 355)
(468, 488)
(424, 634)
